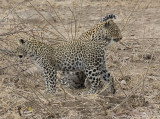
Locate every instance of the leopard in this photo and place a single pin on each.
(77, 55)
(105, 30)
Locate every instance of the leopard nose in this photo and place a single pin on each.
(118, 39)
(20, 56)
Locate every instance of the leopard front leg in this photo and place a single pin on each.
(94, 78)
(50, 80)
(49, 72)
(107, 77)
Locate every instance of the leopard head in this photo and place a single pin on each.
(112, 31)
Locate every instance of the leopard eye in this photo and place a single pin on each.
(108, 23)
(20, 56)
(21, 41)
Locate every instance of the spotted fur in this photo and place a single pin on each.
(86, 56)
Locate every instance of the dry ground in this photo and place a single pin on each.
(135, 63)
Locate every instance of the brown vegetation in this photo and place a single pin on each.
(135, 62)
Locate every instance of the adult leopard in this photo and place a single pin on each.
(106, 30)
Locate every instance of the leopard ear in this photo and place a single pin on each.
(108, 23)
(21, 41)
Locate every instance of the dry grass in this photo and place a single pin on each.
(134, 62)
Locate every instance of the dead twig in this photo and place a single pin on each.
(11, 10)
(47, 21)
(75, 35)
(59, 19)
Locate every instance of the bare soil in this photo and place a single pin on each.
(134, 62)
